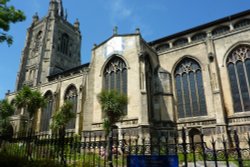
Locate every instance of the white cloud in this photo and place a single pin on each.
(122, 12)
(119, 10)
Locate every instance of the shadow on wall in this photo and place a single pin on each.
(162, 116)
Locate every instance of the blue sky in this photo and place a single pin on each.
(155, 18)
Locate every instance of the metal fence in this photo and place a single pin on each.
(94, 150)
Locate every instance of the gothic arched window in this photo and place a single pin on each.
(47, 112)
(64, 45)
(189, 89)
(71, 95)
(115, 75)
(238, 66)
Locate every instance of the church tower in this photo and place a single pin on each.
(52, 46)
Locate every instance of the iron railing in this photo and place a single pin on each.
(91, 149)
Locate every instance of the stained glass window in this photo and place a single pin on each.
(115, 75)
(238, 66)
(189, 89)
(47, 112)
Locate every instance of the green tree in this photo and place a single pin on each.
(6, 110)
(59, 122)
(30, 101)
(113, 106)
(8, 14)
(62, 117)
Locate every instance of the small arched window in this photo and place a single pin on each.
(189, 89)
(71, 95)
(180, 42)
(220, 30)
(64, 45)
(47, 112)
(242, 23)
(115, 75)
(238, 66)
(199, 36)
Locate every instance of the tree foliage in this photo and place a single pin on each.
(113, 106)
(8, 14)
(30, 100)
(6, 110)
(62, 117)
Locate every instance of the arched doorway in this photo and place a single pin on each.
(196, 133)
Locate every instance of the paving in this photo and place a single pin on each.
(210, 164)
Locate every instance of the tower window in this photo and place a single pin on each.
(37, 42)
(64, 45)
(238, 66)
(189, 89)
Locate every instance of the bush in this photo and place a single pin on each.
(8, 160)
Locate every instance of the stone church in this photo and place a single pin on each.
(198, 79)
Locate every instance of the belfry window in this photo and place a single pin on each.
(64, 45)
(71, 95)
(47, 112)
(238, 66)
(115, 75)
(189, 89)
